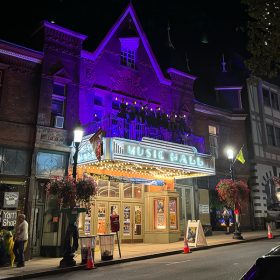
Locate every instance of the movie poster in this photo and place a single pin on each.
(173, 213)
(159, 214)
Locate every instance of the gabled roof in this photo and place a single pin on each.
(130, 10)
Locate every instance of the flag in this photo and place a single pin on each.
(240, 156)
(97, 143)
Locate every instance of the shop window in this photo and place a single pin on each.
(159, 214)
(13, 161)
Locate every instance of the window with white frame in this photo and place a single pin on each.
(271, 98)
(273, 135)
(129, 48)
(213, 140)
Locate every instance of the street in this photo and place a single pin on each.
(227, 262)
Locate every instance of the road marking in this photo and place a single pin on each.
(178, 262)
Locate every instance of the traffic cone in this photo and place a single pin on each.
(186, 248)
(90, 263)
(269, 232)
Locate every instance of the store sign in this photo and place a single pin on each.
(9, 218)
(11, 199)
(163, 155)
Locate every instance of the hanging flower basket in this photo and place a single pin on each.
(69, 192)
(232, 192)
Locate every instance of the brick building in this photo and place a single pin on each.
(157, 135)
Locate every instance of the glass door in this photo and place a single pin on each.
(104, 210)
(132, 223)
(186, 206)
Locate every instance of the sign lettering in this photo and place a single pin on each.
(163, 155)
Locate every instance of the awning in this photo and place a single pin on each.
(149, 157)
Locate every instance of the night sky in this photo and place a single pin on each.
(203, 29)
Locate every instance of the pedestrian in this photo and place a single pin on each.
(21, 237)
(226, 216)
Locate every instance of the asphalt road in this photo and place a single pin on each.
(222, 263)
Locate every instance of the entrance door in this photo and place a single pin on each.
(38, 218)
(104, 210)
(186, 206)
(132, 222)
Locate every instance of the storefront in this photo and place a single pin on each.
(136, 180)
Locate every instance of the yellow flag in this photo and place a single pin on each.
(240, 156)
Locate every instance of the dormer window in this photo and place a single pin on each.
(129, 48)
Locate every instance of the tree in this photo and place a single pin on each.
(264, 37)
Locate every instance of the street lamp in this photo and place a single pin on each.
(230, 156)
(78, 135)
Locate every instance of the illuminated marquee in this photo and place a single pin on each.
(163, 155)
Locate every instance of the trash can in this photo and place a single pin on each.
(106, 243)
(87, 241)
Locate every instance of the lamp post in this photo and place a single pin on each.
(237, 233)
(72, 212)
(78, 135)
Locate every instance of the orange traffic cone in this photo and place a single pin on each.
(269, 232)
(186, 248)
(90, 263)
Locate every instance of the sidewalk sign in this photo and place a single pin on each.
(195, 234)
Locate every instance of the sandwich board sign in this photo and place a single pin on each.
(195, 234)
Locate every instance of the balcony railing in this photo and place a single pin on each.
(119, 127)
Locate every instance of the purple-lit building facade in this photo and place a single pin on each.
(120, 88)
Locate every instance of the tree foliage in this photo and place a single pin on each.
(264, 37)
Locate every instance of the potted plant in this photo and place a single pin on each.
(69, 194)
(232, 192)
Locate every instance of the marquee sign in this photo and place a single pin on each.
(150, 152)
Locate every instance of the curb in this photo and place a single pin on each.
(132, 259)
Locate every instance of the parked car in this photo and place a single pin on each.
(273, 212)
(266, 267)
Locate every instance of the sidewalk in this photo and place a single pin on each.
(130, 252)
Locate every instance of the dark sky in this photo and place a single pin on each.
(201, 28)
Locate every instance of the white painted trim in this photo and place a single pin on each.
(21, 56)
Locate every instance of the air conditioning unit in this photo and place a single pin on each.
(58, 122)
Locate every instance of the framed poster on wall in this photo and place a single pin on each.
(173, 213)
(159, 211)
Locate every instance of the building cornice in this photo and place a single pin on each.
(213, 111)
